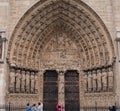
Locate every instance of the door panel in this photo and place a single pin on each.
(50, 88)
(72, 91)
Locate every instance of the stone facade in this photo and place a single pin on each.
(61, 35)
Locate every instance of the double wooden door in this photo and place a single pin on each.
(71, 90)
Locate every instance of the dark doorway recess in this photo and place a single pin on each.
(72, 91)
(50, 90)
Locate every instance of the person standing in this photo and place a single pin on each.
(59, 107)
(34, 108)
(40, 107)
(28, 108)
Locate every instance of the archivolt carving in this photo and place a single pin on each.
(74, 18)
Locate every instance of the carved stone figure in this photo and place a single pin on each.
(89, 81)
(12, 81)
(110, 79)
(104, 80)
(86, 82)
(18, 81)
(27, 82)
(36, 83)
(32, 82)
(23, 82)
(94, 81)
(99, 82)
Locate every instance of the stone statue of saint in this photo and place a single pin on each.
(110, 79)
(27, 82)
(18, 81)
(23, 82)
(12, 80)
(89, 81)
(36, 83)
(94, 81)
(104, 80)
(86, 82)
(99, 82)
(32, 82)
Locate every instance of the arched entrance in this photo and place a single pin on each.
(60, 35)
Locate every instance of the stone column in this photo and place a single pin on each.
(117, 64)
(61, 92)
(2, 85)
(3, 71)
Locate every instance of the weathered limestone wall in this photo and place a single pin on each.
(17, 10)
(105, 11)
(4, 6)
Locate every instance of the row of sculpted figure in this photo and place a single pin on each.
(23, 81)
(100, 80)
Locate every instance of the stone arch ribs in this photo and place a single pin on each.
(73, 17)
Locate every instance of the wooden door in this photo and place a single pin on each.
(72, 91)
(50, 90)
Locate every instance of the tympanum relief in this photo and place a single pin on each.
(59, 53)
